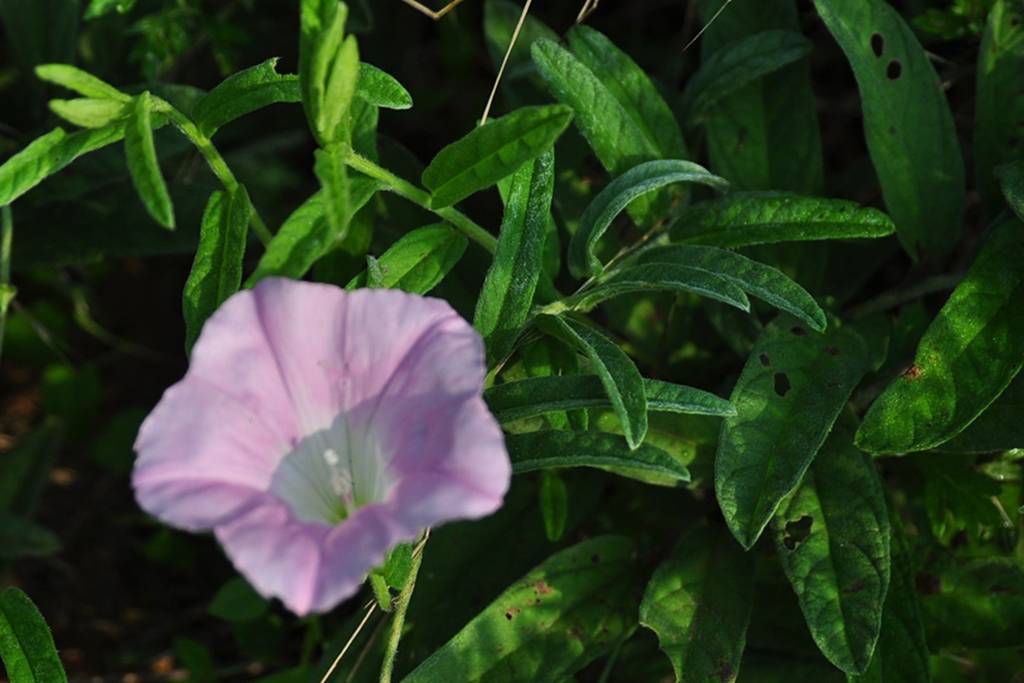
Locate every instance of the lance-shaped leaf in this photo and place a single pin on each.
(558, 449)
(655, 277)
(89, 112)
(743, 220)
(737, 64)
(756, 279)
(84, 83)
(1011, 178)
(535, 396)
(967, 357)
(999, 106)
(573, 608)
(698, 602)
(493, 151)
(637, 181)
(621, 379)
(419, 260)
(26, 645)
(381, 89)
(998, 428)
(48, 154)
(507, 294)
(792, 388)
(335, 193)
(217, 269)
(901, 655)
(907, 122)
(244, 92)
(143, 164)
(832, 537)
(978, 605)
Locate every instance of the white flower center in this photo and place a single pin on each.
(331, 473)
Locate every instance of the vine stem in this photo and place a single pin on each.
(403, 188)
(401, 607)
(6, 291)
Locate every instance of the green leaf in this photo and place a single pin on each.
(535, 396)
(21, 537)
(381, 89)
(764, 136)
(756, 279)
(958, 498)
(341, 85)
(25, 469)
(901, 655)
(217, 269)
(557, 449)
(236, 600)
(493, 151)
(83, 83)
(617, 108)
(907, 122)
(745, 219)
(979, 605)
(573, 608)
(419, 260)
(738, 64)
(89, 113)
(1011, 177)
(26, 645)
(832, 537)
(698, 602)
(244, 92)
(328, 68)
(967, 357)
(999, 106)
(656, 277)
(507, 295)
(99, 8)
(143, 164)
(637, 181)
(791, 391)
(305, 236)
(335, 193)
(618, 374)
(47, 155)
(998, 428)
(554, 504)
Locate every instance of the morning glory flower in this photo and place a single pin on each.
(316, 429)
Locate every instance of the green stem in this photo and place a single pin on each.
(6, 291)
(404, 188)
(398, 621)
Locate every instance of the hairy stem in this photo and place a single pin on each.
(398, 621)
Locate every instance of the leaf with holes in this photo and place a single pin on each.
(493, 151)
(907, 122)
(756, 279)
(791, 391)
(419, 260)
(26, 645)
(746, 219)
(967, 357)
(636, 182)
(573, 608)
(621, 379)
(832, 537)
(698, 602)
(143, 164)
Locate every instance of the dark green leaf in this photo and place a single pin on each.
(741, 220)
(967, 357)
(143, 164)
(245, 92)
(736, 65)
(832, 537)
(998, 428)
(507, 294)
(217, 269)
(25, 469)
(979, 605)
(792, 389)
(419, 260)
(83, 83)
(1011, 177)
(637, 181)
(236, 600)
(555, 449)
(756, 279)
(381, 89)
(500, 20)
(907, 121)
(621, 379)
(567, 612)
(958, 498)
(493, 151)
(535, 396)
(655, 277)
(698, 602)
(21, 537)
(26, 645)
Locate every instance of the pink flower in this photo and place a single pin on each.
(316, 429)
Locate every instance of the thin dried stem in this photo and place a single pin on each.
(355, 634)
(433, 14)
(589, 6)
(707, 25)
(504, 62)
